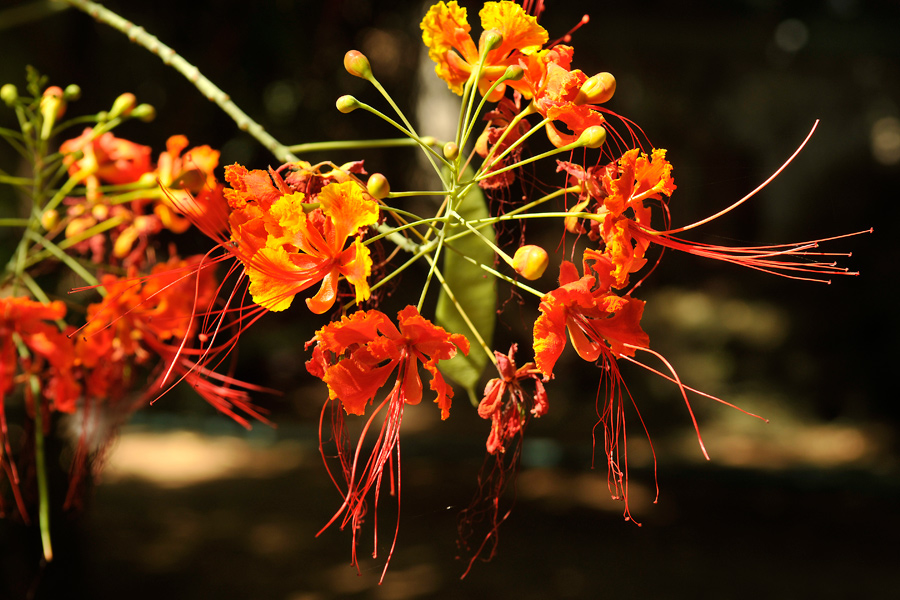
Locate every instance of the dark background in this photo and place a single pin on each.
(804, 507)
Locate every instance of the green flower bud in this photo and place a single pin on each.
(378, 186)
(72, 92)
(347, 104)
(451, 151)
(123, 106)
(53, 106)
(491, 39)
(50, 219)
(144, 112)
(592, 137)
(9, 94)
(514, 73)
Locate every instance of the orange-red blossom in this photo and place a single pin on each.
(599, 322)
(287, 245)
(355, 357)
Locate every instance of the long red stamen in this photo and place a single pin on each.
(754, 192)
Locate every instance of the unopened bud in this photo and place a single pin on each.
(49, 219)
(597, 89)
(123, 105)
(514, 73)
(144, 112)
(378, 186)
(451, 150)
(9, 94)
(148, 179)
(592, 137)
(491, 39)
(530, 262)
(357, 64)
(53, 106)
(347, 104)
(72, 92)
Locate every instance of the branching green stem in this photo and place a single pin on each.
(206, 87)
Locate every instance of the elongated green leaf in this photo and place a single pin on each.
(474, 290)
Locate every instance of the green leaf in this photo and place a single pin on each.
(474, 290)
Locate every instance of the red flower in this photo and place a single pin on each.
(558, 95)
(355, 356)
(143, 319)
(36, 348)
(507, 405)
(599, 322)
(285, 250)
(106, 158)
(623, 192)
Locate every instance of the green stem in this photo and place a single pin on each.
(359, 144)
(462, 313)
(9, 180)
(521, 163)
(206, 87)
(498, 274)
(58, 252)
(506, 257)
(41, 468)
(15, 222)
(429, 151)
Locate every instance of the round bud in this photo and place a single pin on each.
(357, 64)
(451, 150)
(49, 219)
(378, 186)
(72, 92)
(491, 39)
(347, 104)
(54, 91)
(9, 94)
(144, 112)
(514, 73)
(123, 105)
(597, 89)
(592, 137)
(530, 262)
(148, 179)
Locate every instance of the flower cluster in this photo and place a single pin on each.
(94, 364)
(319, 231)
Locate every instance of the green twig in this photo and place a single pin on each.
(139, 36)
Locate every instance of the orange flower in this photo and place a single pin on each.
(623, 191)
(186, 178)
(354, 357)
(286, 250)
(599, 323)
(106, 158)
(142, 319)
(50, 356)
(376, 347)
(445, 30)
(603, 327)
(558, 93)
(51, 350)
